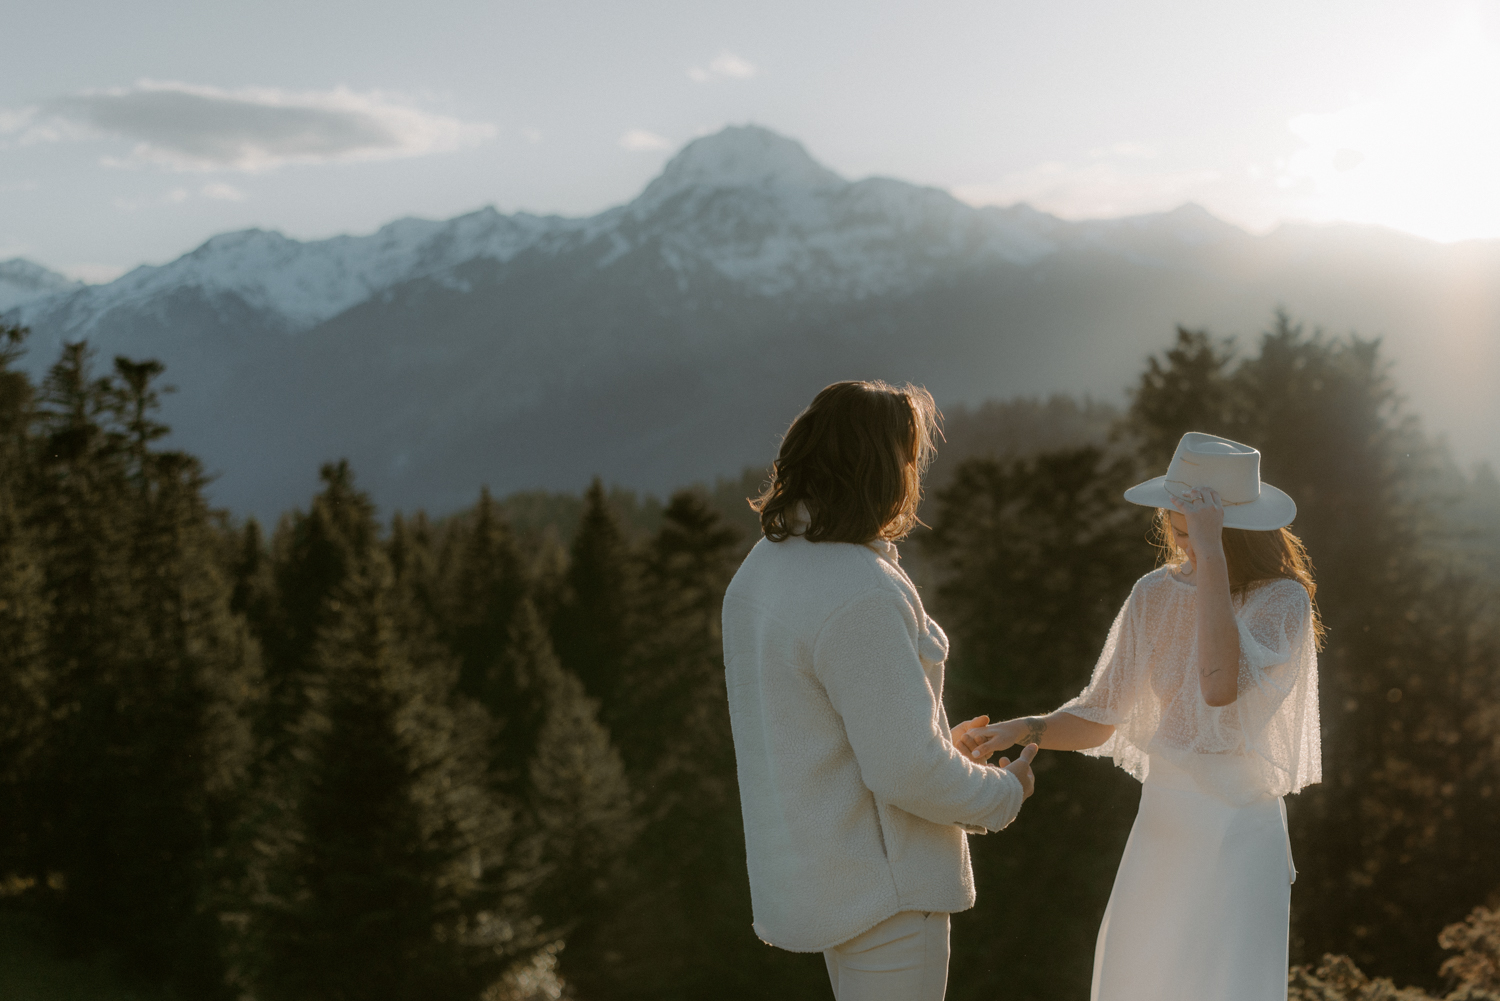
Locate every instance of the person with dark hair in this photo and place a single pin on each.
(1207, 692)
(856, 802)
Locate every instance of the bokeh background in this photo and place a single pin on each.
(382, 385)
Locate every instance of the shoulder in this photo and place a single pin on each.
(795, 556)
(1279, 591)
(1280, 601)
(814, 578)
(1157, 580)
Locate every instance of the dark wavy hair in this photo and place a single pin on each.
(855, 457)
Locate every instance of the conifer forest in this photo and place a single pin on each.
(379, 756)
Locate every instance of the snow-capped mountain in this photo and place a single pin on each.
(671, 338)
(292, 284)
(745, 205)
(754, 208)
(23, 281)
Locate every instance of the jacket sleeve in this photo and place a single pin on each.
(866, 658)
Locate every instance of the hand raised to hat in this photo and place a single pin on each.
(1218, 636)
(1203, 509)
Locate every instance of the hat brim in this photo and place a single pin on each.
(1273, 509)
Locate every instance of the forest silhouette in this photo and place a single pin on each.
(488, 754)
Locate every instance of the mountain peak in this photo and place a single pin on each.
(242, 240)
(740, 156)
(22, 281)
(20, 269)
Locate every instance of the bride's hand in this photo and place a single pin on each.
(963, 728)
(1203, 510)
(997, 736)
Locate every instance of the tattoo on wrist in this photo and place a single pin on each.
(1035, 727)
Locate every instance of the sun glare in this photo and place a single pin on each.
(1421, 156)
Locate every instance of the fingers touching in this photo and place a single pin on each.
(1198, 499)
(987, 743)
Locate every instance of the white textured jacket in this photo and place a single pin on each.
(855, 801)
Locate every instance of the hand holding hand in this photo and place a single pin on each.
(959, 732)
(981, 742)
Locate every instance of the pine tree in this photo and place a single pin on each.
(151, 673)
(382, 853)
(24, 672)
(489, 582)
(550, 763)
(672, 721)
(414, 562)
(552, 758)
(250, 572)
(1037, 555)
(311, 555)
(592, 628)
(83, 503)
(670, 711)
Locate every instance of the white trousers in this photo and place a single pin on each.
(904, 958)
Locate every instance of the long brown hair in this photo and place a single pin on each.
(1253, 558)
(855, 457)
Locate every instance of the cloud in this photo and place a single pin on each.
(725, 66)
(30, 126)
(641, 141)
(222, 193)
(188, 127)
(176, 196)
(15, 120)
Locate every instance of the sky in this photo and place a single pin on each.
(130, 133)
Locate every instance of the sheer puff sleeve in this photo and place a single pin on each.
(1277, 704)
(1118, 693)
(1146, 686)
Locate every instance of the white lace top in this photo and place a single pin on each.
(1266, 742)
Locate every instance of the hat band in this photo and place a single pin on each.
(1226, 503)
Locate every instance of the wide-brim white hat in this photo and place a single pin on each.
(1228, 467)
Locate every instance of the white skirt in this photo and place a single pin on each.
(1200, 904)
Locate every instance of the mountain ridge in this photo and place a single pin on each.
(23, 281)
(305, 282)
(669, 339)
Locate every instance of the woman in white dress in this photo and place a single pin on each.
(1207, 692)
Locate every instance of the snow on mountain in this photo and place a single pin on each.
(23, 281)
(756, 208)
(648, 343)
(298, 284)
(744, 156)
(744, 206)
